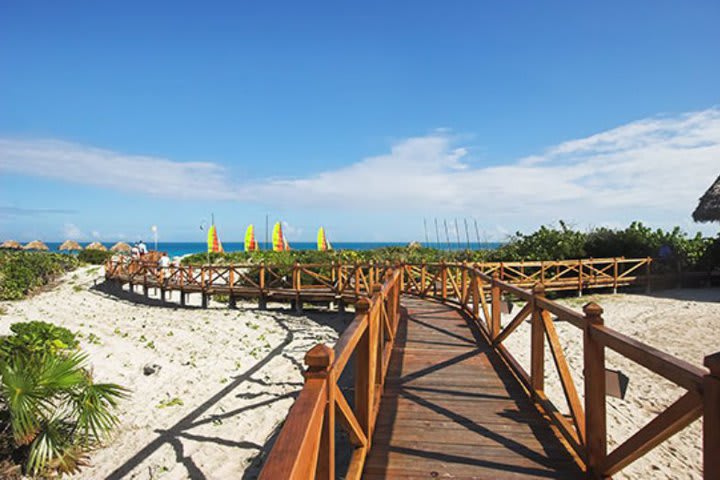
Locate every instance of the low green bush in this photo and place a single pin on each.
(95, 257)
(21, 272)
(549, 242)
(37, 336)
(51, 410)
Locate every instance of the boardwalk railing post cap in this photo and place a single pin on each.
(592, 309)
(362, 305)
(320, 356)
(713, 363)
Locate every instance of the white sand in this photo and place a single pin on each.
(685, 323)
(235, 372)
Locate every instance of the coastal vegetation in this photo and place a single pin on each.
(552, 242)
(94, 257)
(51, 410)
(22, 272)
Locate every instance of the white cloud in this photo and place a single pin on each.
(94, 166)
(653, 167)
(73, 232)
(658, 164)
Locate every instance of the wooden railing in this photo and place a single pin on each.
(353, 280)
(305, 447)
(480, 296)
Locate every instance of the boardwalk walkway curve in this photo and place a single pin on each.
(405, 377)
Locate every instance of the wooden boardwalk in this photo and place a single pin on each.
(452, 409)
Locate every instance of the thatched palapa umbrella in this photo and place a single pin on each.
(36, 245)
(11, 245)
(70, 245)
(708, 210)
(121, 247)
(96, 246)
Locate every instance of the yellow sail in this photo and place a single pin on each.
(250, 243)
(323, 244)
(214, 244)
(278, 239)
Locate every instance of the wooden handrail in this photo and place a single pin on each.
(586, 432)
(305, 447)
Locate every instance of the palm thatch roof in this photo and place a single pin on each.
(121, 247)
(11, 245)
(96, 246)
(70, 245)
(708, 210)
(36, 245)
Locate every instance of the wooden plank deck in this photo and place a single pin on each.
(452, 409)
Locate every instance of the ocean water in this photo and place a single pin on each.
(176, 249)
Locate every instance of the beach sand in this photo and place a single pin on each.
(684, 323)
(227, 378)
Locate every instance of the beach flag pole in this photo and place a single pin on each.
(155, 234)
(426, 234)
(266, 232)
(477, 232)
(437, 234)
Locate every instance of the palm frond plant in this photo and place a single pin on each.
(56, 411)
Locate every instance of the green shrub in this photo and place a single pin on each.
(37, 336)
(52, 410)
(549, 242)
(21, 272)
(95, 257)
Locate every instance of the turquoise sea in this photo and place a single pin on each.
(175, 249)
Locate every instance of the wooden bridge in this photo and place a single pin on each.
(436, 392)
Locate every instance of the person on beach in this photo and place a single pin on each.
(142, 247)
(164, 261)
(135, 251)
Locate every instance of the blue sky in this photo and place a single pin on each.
(364, 118)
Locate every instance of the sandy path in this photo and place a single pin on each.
(685, 323)
(226, 382)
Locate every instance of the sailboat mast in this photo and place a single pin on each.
(467, 234)
(426, 234)
(437, 234)
(477, 232)
(447, 235)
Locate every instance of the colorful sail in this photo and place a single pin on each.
(214, 244)
(279, 243)
(250, 243)
(323, 244)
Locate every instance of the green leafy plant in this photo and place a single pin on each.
(95, 257)
(37, 337)
(22, 272)
(55, 411)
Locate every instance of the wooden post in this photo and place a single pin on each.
(463, 287)
(494, 326)
(595, 407)
(182, 298)
(711, 418)
(205, 299)
(423, 279)
(443, 280)
(475, 295)
(319, 361)
(537, 342)
(262, 300)
(615, 275)
(363, 377)
(648, 270)
(580, 278)
(232, 301)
